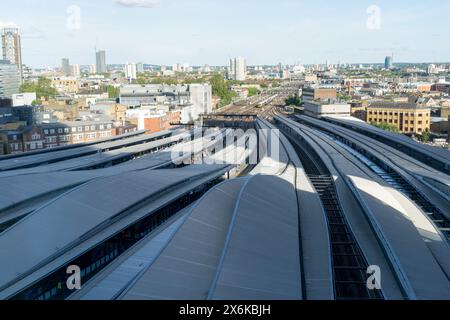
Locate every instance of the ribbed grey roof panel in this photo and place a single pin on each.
(186, 268)
(61, 223)
(240, 241)
(262, 258)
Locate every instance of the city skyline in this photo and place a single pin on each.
(199, 32)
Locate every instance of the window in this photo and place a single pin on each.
(108, 126)
(78, 137)
(66, 130)
(80, 129)
(52, 131)
(60, 130)
(92, 128)
(74, 129)
(101, 127)
(86, 128)
(45, 131)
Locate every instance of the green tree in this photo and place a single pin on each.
(220, 88)
(385, 126)
(252, 91)
(43, 88)
(293, 101)
(113, 92)
(141, 80)
(425, 136)
(161, 80)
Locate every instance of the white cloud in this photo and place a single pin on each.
(138, 3)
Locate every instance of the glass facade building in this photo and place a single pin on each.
(9, 79)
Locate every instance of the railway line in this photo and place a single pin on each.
(385, 161)
(348, 263)
(395, 254)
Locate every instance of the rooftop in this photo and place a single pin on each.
(395, 105)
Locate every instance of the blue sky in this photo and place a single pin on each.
(212, 31)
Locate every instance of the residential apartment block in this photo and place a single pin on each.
(408, 117)
(65, 133)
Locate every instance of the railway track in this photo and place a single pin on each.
(391, 175)
(348, 262)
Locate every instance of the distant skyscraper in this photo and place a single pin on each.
(11, 46)
(238, 69)
(9, 79)
(92, 69)
(388, 63)
(65, 66)
(176, 67)
(140, 67)
(75, 70)
(131, 71)
(101, 61)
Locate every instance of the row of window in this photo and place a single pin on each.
(86, 271)
(93, 135)
(15, 146)
(396, 121)
(35, 145)
(77, 129)
(412, 114)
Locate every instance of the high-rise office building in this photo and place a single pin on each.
(130, 71)
(11, 46)
(75, 70)
(65, 66)
(140, 67)
(238, 69)
(101, 61)
(9, 79)
(388, 62)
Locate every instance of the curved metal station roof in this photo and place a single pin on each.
(56, 156)
(75, 215)
(438, 153)
(240, 241)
